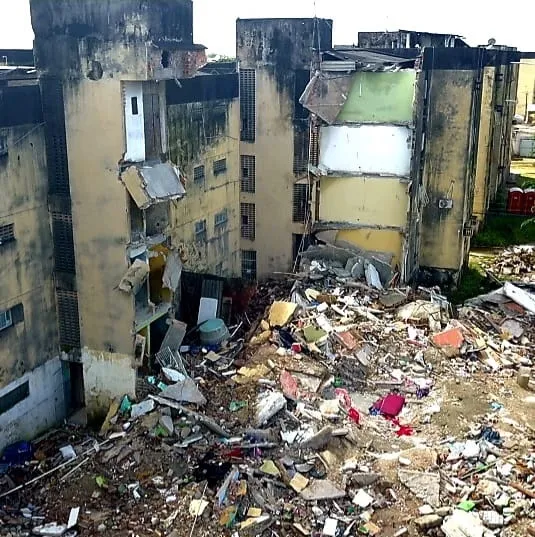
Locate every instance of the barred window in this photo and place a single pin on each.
(248, 264)
(248, 220)
(200, 231)
(7, 233)
(220, 219)
(198, 174)
(300, 203)
(248, 173)
(220, 166)
(248, 105)
(5, 319)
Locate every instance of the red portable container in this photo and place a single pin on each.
(529, 201)
(516, 201)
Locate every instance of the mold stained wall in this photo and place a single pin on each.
(199, 135)
(446, 173)
(94, 127)
(276, 48)
(481, 189)
(26, 264)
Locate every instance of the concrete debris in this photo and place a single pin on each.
(331, 407)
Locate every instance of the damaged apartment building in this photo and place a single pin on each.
(138, 178)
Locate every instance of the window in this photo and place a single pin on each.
(248, 173)
(200, 231)
(300, 203)
(3, 146)
(248, 105)
(220, 219)
(301, 149)
(15, 396)
(248, 264)
(68, 321)
(7, 233)
(219, 269)
(62, 236)
(135, 110)
(220, 166)
(198, 174)
(248, 220)
(5, 319)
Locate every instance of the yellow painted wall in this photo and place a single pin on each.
(375, 240)
(95, 142)
(273, 149)
(445, 173)
(481, 190)
(526, 85)
(364, 200)
(206, 199)
(26, 264)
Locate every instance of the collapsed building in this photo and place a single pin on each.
(139, 178)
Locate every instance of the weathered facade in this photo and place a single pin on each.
(275, 59)
(404, 144)
(408, 39)
(31, 374)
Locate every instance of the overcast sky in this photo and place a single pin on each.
(510, 23)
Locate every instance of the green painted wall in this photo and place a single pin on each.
(380, 98)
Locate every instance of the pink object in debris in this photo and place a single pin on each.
(343, 395)
(296, 347)
(289, 385)
(391, 405)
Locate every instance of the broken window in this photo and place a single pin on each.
(248, 264)
(200, 231)
(301, 196)
(69, 325)
(220, 166)
(248, 173)
(301, 149)
(198, 174)
(7, 233)
(248, 220)
(220, 219)
(5, 319)
(248, 105)
(15, 396)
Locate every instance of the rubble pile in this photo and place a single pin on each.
(346, 409)
(516, 263)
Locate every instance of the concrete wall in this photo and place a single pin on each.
(199, 134)
(446, 173)
(380, 98)
(43, 409)
(366, 149)
(373, 240)
(26, 264)
(94, 125)
(481, 190)
(526, 86)
(106, 376)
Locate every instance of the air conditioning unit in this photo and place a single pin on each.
(445, 203)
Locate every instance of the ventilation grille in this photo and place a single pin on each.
(248, 173)
(301, 195)
(69, 324)
(248, 104)
(63, 243)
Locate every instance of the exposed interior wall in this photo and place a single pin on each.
(366, 149)
(446, 173)
(526, 85)
(43, 409)
(199, 135)
(380, 98)
(481, 190)
(107, 376)
(369, 201)
(26, 263)
(375, 240)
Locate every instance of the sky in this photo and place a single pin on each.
(214, 25)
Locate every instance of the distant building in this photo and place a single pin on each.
(409, 39)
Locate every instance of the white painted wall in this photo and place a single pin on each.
(134, 123)
(43, 409)
(366, 149)
(107, 376)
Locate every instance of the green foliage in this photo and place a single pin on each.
(473, 283)
(505, 230)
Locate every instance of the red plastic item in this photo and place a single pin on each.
(529, 201)
(516, 201)
(391, 405)
(296, 347)
(354, 415)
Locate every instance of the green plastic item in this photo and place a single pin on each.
(100, 480)
(126, 405)
(467, 505)
(237, 405)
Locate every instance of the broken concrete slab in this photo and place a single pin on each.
(268, 405)
(142, 408)
(184, 391)
(424, 485)
(427, 522)
(322, 489)
(280, 313)
(463, 524)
